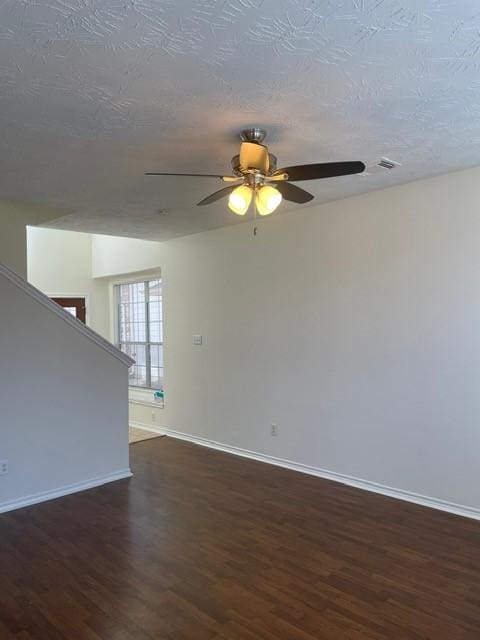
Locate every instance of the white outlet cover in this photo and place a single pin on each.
(197, 339)
(3, 467)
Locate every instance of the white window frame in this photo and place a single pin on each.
(142, 395)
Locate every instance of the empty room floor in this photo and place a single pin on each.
(201, 545)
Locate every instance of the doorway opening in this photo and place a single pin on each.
(76, 306)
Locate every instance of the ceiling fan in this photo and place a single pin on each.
(255, 173)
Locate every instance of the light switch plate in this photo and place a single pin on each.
(197, 339)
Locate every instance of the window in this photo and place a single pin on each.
(140, 330)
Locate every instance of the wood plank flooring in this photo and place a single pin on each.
(200, 545)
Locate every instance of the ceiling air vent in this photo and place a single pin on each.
(386, 163)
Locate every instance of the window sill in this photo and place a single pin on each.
(145, 397)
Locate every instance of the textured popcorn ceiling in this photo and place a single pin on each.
(95, 92)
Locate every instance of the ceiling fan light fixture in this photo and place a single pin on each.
(267, 200)
(240, 199)
(255, 165)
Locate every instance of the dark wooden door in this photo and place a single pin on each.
(75, 306)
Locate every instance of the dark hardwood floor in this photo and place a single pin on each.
(200, 545)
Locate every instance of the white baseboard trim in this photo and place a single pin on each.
(367, 485)
(64, 491)
(147, 427)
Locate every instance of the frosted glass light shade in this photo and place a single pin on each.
(239, 200)
(268, 199)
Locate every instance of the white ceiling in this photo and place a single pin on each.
(95, 92)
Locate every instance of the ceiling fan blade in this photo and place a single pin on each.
(293, 193)
(217, 195)
(321, 170)
(191, 175)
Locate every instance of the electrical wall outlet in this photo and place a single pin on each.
(197, 339)
(274, 430)
(154, 416)
(3, 467)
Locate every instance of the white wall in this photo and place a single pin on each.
(60, 264)
(112, 256)
(13, 248)
(14, 217)
(355, 326)
(63, 404)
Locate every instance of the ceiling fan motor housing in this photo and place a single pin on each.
(254, 134)
(238, 170)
